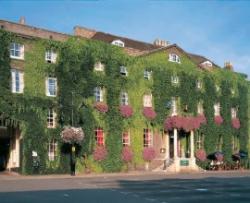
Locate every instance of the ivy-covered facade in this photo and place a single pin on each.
(161, 99)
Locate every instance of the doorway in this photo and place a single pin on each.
(4, 149)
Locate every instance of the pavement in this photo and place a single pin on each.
(224, 186)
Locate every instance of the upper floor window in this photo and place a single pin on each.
(199, 84)
(174, 106)
(51, 87)
(50, 56)
(99, 137)
(99, 66)
(200, 109)
(16, 51)
(51, 118)
(125, 138)
(118, 43)
(98, 93)
(217, 109)
(174, 58)
(124, 98)
(174, 79)
(123, 70)
(233, 112)
(147, 74)
(147, 138)
(147, 100)
(52, 150)
(17, 82)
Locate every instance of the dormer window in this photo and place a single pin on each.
(147, 74)
(16, 51)
(174, 79)
(174, 58)
(123, 70)
(118, 43)
(206, 64)
(217, 109)
(199, 84)
(99, 66)
(50, 56)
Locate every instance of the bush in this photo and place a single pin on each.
(126, 111)
(148, 154)
(127, 154)
(100, 153)
(149, 112)
(201, 155)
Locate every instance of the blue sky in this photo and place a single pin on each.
(219, 30)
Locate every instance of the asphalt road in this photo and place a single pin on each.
(155, 188)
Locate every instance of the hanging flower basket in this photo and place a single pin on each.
(72, 135)
(202, 119)
(100, 153)
(201, 155)
(101, 107)
(126, 111)
(149, 113)
(235, 123)
(218, 120)
(148, 154)
(127, 154)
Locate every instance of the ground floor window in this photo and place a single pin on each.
(236, 144)
(199, 141)
(219, 143)
(147, 138)
(52, 150)
(125, 138)
(99, 137)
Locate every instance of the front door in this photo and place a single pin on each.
(171, 145)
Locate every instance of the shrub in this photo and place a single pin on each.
(201, 155)
(148, 154)
(149, 113)
(219, 156)
(218, 120)
(100, 153)
(101, 106)
(127, 154)
(126, 111)
(72, 135)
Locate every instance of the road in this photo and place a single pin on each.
(136, 188)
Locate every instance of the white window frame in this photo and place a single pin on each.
(124, 98)
(217, 109)
(16, 51)
(51, 118)
(174, 79)
(52, 150)
(233, 112)
(147, 74)
(50, 56)
(99, 66)
(199, 84)
(98, 93)
(126, 140)
(200, 141)
(174, 58)
(147, 100)
(48, 86)
(123, 70)
(118, 43)
(149, 141)
(174, 104)
(200, 109)
(17, 81)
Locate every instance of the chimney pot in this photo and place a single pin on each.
(228, 65)
(161, 43)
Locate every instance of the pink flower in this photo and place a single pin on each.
(72, 135)
(101, 106)
(149, 112)
(127, 154)
(201, 155)
(235, 123)
(126, 111)
(218, 120)
(148, 154)
(100, 153)
(202, 119)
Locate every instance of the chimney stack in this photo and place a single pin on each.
(228, 65)
(161, 43)
(22, 20)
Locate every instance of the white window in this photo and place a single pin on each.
(51, 118)
(147, 138)
(233, 112)
(98, 93)
(147, 74)
(51, 87)
(125, 138)
(124, 98)
(99, 66)
(17, 82)
(50, 56)
(200, 109)
(174, 106)
(199, 141)
(16, 51)
(236, 143)
(199, 84)
(52, 150)
(147, 100)
(118, 43)
(174, 79)
(123, 70)
(217, 109)
(174, 58)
